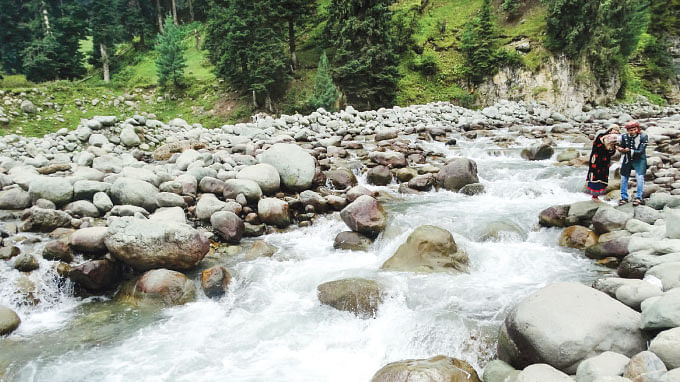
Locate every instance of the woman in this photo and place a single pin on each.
(600, 158)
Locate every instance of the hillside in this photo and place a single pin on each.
(431, 69)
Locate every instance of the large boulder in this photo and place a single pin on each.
(365, 215)
(9, 320)
(662, 312)
(259, 249)
(457, 173)
(435, 369)
(44, 220)
(89, 240)
(265, 175)
(566, 323)
(613, 244)
(427, 249)
(147, 246)
(608, 219)
(379, 176)
(158, 287)
(134, 192)
(342, 178)
(541, 372)
(274, 212)
(295, 166)
(578, 237)
(228, 225)
(668, 273)
(582, 213)
(96, 275)
(250, 189)
(14, 199)
(359, 296)
(352, 241)
(605, 364)
(666, 345)
(55, 189)
(539, 151)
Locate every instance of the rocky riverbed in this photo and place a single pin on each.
(152, 215)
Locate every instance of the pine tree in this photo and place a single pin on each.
(245, 44)
(365, 61)
(170, 48)
(477, 44)
(294, 13)
(107, 30)
(14, 35)
(325, 92)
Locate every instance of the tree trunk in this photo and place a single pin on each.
(191, 10)
(45, 18)
(105, 62)
(254, 100)
(291, 43)
(197, 36)
(159, 16)
(174, 12)
(268, 103)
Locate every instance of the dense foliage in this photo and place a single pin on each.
(365, 60)
(170, 49)
(477, 44)
(325, 92)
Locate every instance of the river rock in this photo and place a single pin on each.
(207, 205)
(645, 367)
(9, 320)
(359, 296)
(89, 240)
(635, 265)
(342, 178)
(96, 275)
(85, 189)
(668, 273)
(582, 213)
(566, 323)
(129, 138)
(428, 249)
(635, 292)
(355, 192)
(666, 345)
(134, 192)
(314, 199)
(82, 208)
(102, 201)
(45, 220)
(609, 247)
(265, 175)
(169, 214)
(365, 215)
(8, 252)
(672, 217)
(661, 312)
(608, 219)
(186, 158)
(55, 189)
(671, 376)
(274, 211)
(538, 152)
(228, 225)
(25, 262)
(14, 199)
(352, 241)
(391, 159)
(541, 372)
(295, 166)
(498, 371)
(250, 189)
(457, 173)
(158, 287)
(470, 189)
(577, 237)
(215, 281)
(168, 199)
(259, 249)
(28, 107)
(160, 245)
(646, 214)
(380, 176)
(605, 364)
(58, 250)
(435, 369)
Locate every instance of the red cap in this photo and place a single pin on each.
(632, 124)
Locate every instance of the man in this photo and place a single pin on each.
(632, 147)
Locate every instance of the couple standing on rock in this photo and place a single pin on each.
(632, 147)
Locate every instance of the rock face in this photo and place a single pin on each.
(359, 296)
(9, 320)
(365, 215)
(147, 246)
(435, 369)
(294, 165)
(427, 249)
(457, 173)
(134, 192)
(565, 323)
(158, 287)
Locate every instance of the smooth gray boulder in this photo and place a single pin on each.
(668, 273)
(102, 201)
(82, 208)
(608, 219)
(352, 241)
(672, 217)
(250, 189)
(605, 364)
(295, 166)
(147, 246)
(498, 371)
(666, 345)
(359, 296)
(633, 294)
(168, 199)
(207, 205)
(169, 214)
(264, 174)
(661, 312)
(259, 249)
(365, 215)
(428, 249)
(55, 189)
(44, 220)
(541, 372)
(85, 189)
(435, 369)
(89, 240)
(134, 192)
(457, 173)
(9, 320)
(14, 199)
(129, 138)
(565, 323)
(228, 225)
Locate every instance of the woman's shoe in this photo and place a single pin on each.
(623, 201)
(637, 202)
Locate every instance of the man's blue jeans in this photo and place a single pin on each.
(640, 179)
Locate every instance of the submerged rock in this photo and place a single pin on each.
(158, 287)
(359, 296)
(351, 241)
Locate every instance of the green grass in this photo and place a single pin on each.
(15, 81)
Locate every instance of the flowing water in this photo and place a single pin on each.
(271, 326)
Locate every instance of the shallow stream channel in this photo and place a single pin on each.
(271, 326)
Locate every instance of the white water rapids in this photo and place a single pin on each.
(271, 326)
